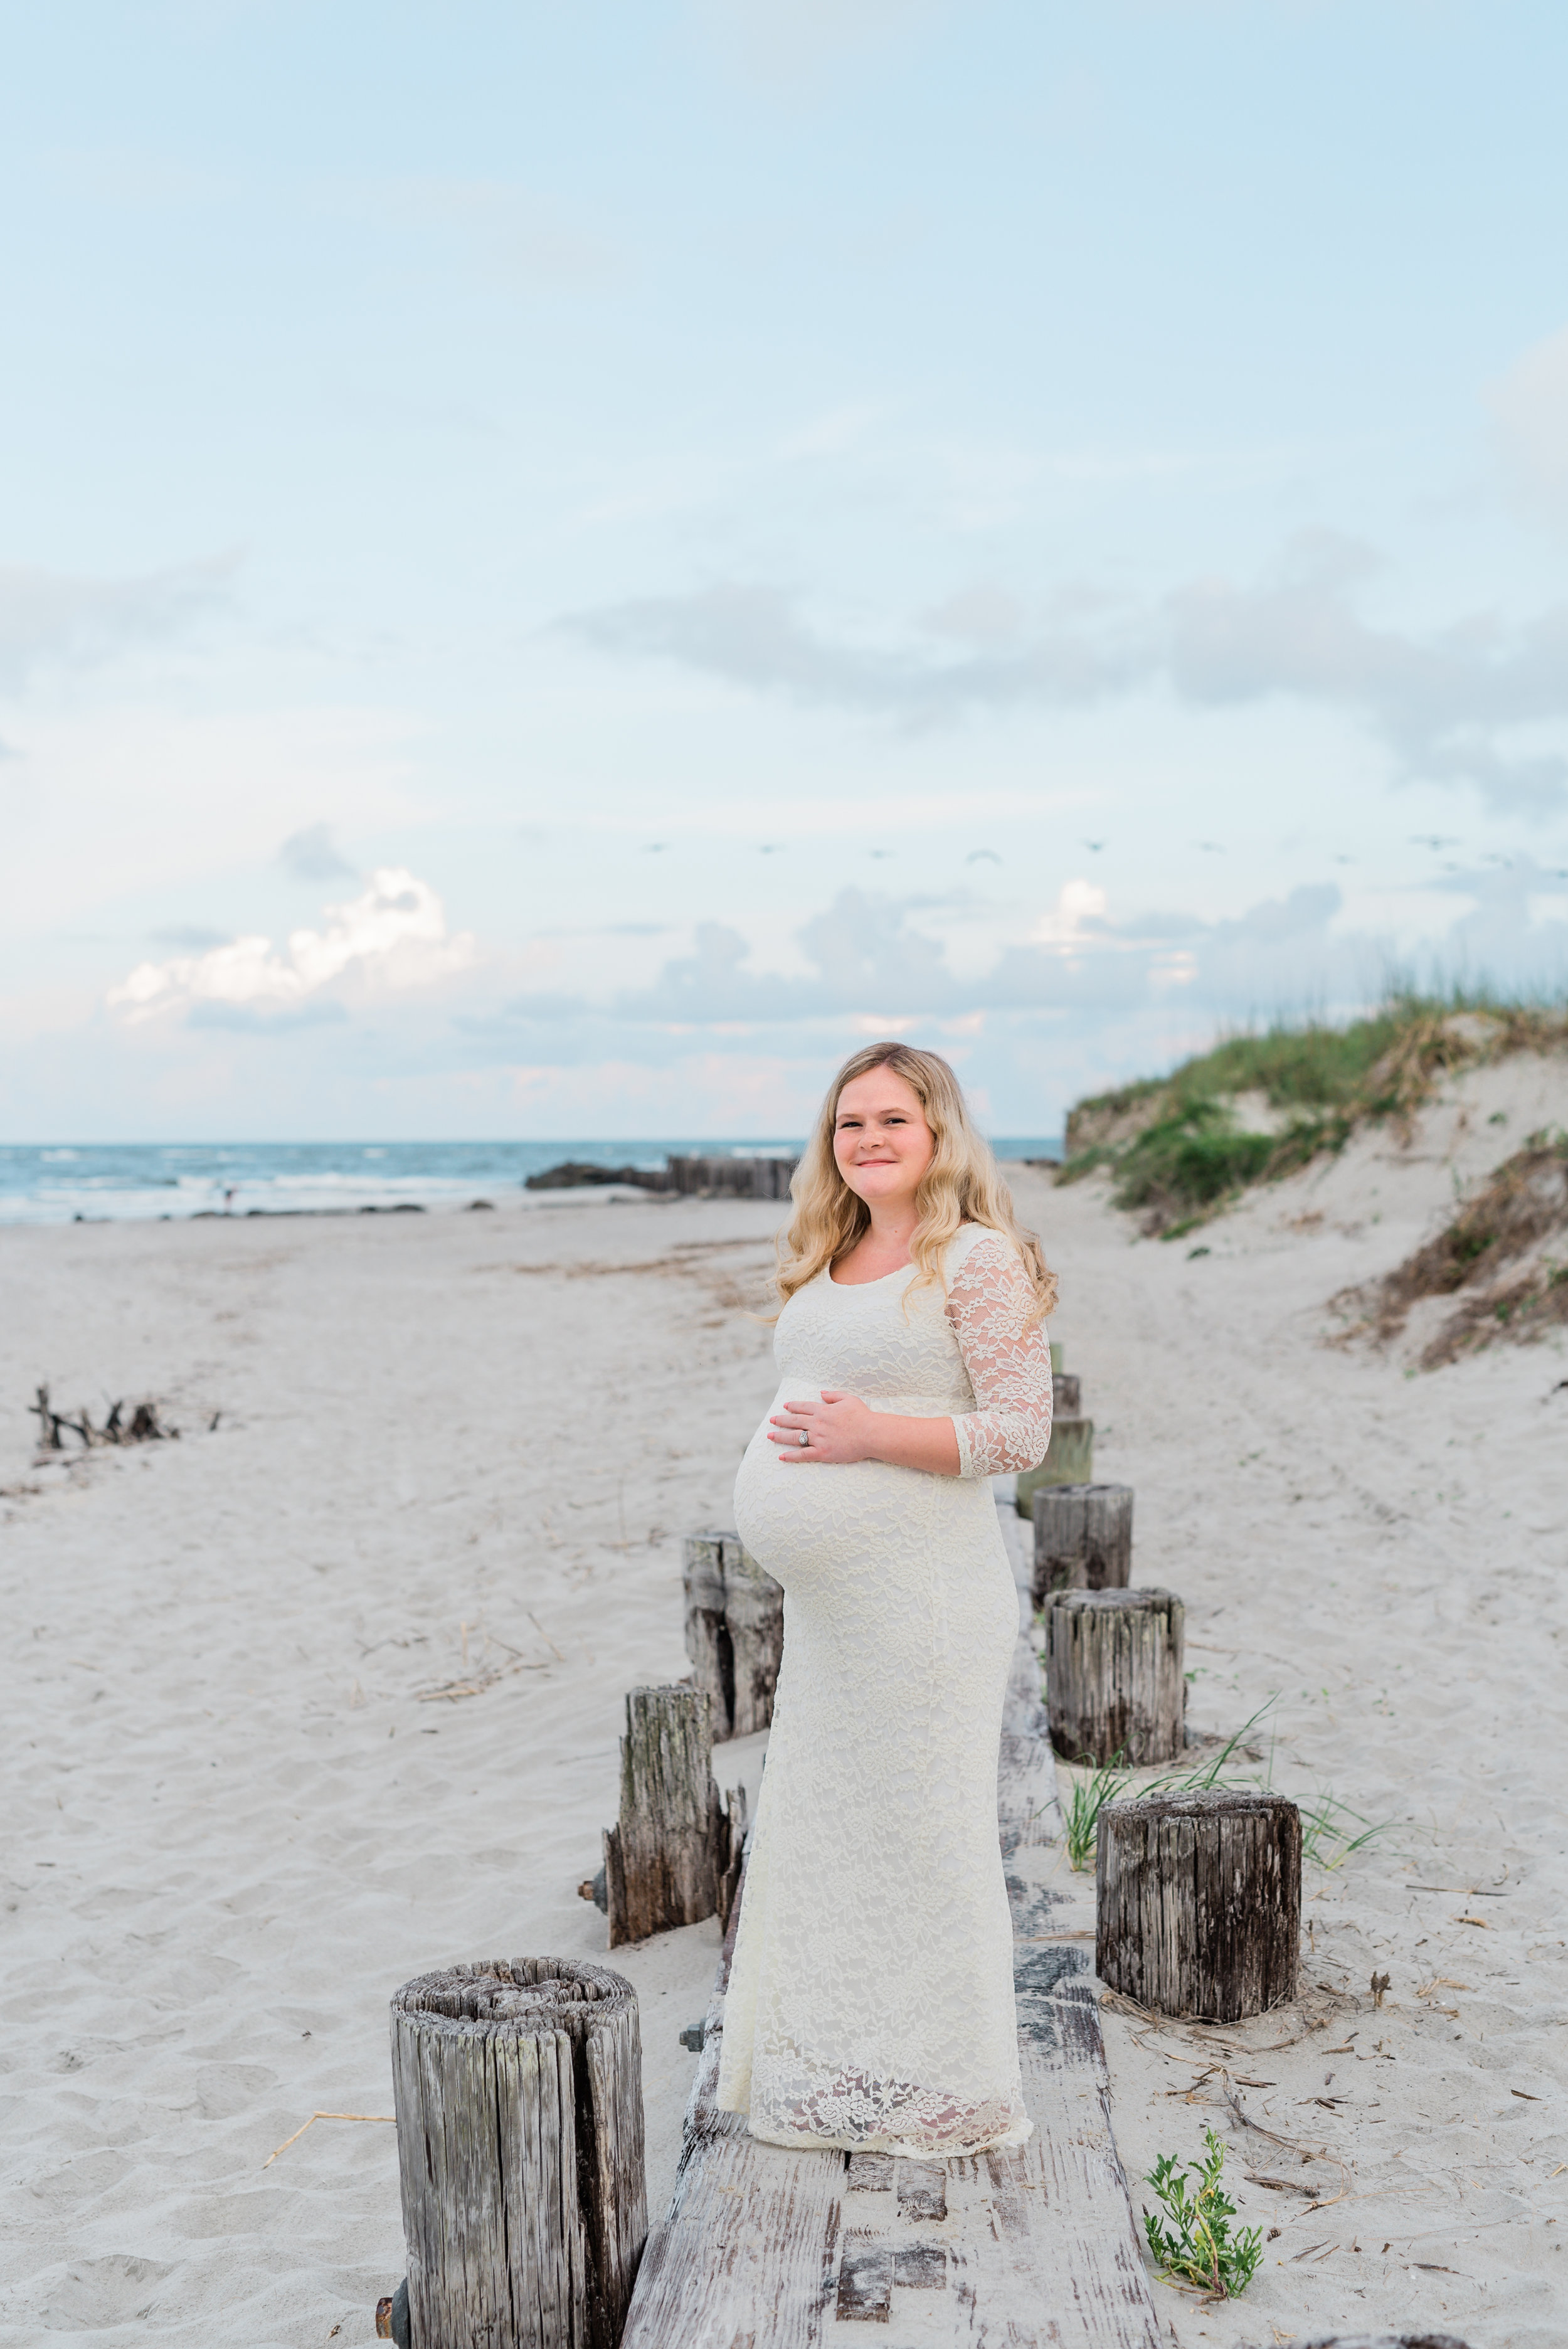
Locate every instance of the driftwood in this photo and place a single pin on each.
(1069, 1460)
(518, 2088)
(675, 1856)
(1032, 2247)
(1197, 1902)
(1083, 1539)
(141, 1427)
(734, 1633)
(1114, 1685)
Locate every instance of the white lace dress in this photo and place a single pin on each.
(870, 1997)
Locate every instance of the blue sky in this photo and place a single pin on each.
(561, 568)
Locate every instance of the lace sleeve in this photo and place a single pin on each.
(1008, 1359)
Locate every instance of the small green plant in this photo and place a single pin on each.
(1196, 2246)
(1212, 1773)
(1325, 1836)
(1106, 1785)
(1089, 1797)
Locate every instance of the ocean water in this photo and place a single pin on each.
(92, 1182)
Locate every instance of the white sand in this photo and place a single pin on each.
(232, 1829)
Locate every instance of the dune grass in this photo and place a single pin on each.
(1325, 1831)
(1331, 1832)
(1494, 1260)
(1109, 1781)
(1179, 1151)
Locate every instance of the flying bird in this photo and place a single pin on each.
(881, 851)
(770, 848)
(1432, 840)
(657, 847)
(978, 856)
(1094, 846)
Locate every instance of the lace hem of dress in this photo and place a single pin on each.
(854, 2114)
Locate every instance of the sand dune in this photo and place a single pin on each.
(1383, 1553)
(241, 1808)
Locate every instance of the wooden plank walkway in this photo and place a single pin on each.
(1030, 2248)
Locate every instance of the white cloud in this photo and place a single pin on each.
(49, 616)
(312, 855)
(1532, 408)
(1466, 703)
(392, 939)
(1077, 903)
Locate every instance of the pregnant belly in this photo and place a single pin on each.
(802, 1522)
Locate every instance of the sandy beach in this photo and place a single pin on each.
(328, 1693)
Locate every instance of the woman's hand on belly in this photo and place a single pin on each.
(840, 1429)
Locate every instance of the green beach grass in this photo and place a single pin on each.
(1181, 1147)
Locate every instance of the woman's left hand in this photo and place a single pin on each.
(838, 1428)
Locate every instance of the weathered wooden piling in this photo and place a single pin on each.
(1197, 1902)
(518, 2097)
(734, 1633)
(1083, 1539)
(1385, 2341)
(1069, 1460)
(675, 1855)
(1067, 1395)
(1114, 1685)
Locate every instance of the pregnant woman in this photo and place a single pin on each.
(870, 1997)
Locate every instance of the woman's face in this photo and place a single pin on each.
(880, 1139)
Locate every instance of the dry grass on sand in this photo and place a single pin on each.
(1496, 1258)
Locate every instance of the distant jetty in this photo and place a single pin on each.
(686, 1178)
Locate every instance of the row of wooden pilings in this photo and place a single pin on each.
(1197, 1889)
(518, 2084)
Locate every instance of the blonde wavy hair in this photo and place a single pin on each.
(960, 1186)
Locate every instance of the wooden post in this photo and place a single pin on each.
(707, 1639)
(675, 1856)
(1114, 1688)
(518, 2094)
(734, 1633)
(1083, 1539)
(1069, 1460)
(1197, 1902)
(1387, 2341)
(1067, 1395)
